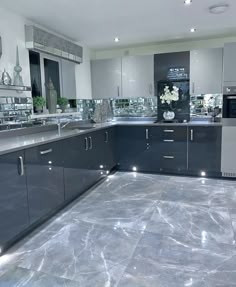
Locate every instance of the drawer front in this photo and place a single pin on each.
(169, 134)
(172, 161)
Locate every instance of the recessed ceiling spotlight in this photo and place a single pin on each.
(192, 30)
(116, 40)
(218, 9)
(188, 2)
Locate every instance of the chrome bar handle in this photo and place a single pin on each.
(191, 135)
(86, 143)
(168, 131)
(150, 89)
(106, 137)
(147, 134)
(168, 141)
(90, 143)
(193, 87)
(118, 91)
(168, 157)
(43, 152)
(22, 170)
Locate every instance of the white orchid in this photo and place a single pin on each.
(170, 96)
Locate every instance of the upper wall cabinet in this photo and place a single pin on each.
(230, 63)
(206, 71)
(138, 76)
(106, 78)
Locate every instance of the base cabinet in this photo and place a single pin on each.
(133, 148)
(204, 149)
(44, 179)
(14, 216)
(168, 149)
(110, 158)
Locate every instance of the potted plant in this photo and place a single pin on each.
(39, 103)
(167, 98)
(62, 102)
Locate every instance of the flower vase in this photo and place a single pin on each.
(169, 115)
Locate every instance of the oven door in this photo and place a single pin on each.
(229, 110)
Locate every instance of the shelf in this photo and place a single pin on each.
(15, 88)
(58, 115)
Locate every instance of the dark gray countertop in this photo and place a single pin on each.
(15, 141)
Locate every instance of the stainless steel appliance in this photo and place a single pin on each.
(229, 106)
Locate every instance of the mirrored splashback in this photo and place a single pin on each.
(15, 108)
(104, 110)
(208, 105)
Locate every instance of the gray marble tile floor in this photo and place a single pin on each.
(133, 230)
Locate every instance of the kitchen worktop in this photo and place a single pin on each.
(13, 142)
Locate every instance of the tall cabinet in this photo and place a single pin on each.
(206, 71)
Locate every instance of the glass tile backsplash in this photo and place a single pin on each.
(104, 110)
(15, 108)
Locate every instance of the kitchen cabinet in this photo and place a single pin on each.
(110, 148)
(133, 147)
(204, 149)
(206, 71)
(14, 216)
(45, 179)
(106, 78)
(68, 79)
(168, 149)
(138, 76)
(230, 64)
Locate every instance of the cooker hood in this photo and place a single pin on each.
(43, 41)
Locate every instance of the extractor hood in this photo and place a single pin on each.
(43, 41)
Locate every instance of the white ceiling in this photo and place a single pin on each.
(96, 22)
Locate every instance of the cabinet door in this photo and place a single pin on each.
(138, 76)
(106, 78)
(68, 79)
(230, 63)
(206, 71)
(168, 148)
(44, 179)
(204, 149)
(133, 147)
(110, 148)
(14, 216)
(77, 174)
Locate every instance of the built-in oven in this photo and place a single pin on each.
(229, 103)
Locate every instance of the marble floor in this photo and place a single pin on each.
(134, 230)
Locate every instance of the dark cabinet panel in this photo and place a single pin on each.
(77, 166)
(133, 147)
(204, 149)
(110, 148)
(44, 179)
(168, 148)
(14, 216)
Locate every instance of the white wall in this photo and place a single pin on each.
(12, 32)
(83, 76)
(150, 49)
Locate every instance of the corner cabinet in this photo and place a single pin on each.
(204, 149)
(206, 71)
(138, 76)
(45, 179)
(14, 216)
(106, 78)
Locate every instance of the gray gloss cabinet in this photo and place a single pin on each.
(14, 216)
(138, 76)
(206, 71)
(106, 78)
(45, 181)
(68, 79)
(230, 64)
(204, 149)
